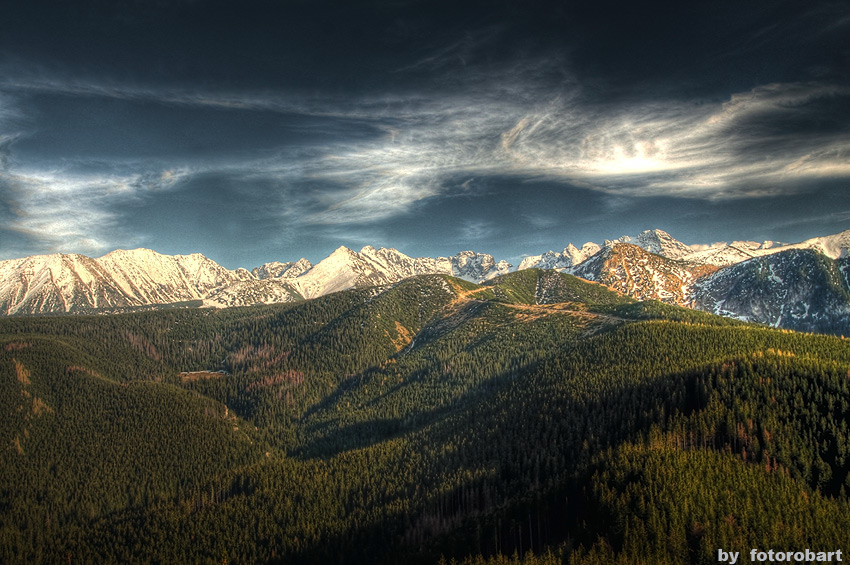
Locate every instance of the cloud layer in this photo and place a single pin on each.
(483, 112)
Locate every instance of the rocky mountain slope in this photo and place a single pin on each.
(640, 274)
(796, 288)
(800, 289)
(803, 286)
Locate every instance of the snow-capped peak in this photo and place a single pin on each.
(661, 243)
(278, 270)
(655, 241)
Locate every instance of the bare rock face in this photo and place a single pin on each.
(640, 274)
(800, 289)
(477, 267)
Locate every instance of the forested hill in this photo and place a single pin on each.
(537, 419)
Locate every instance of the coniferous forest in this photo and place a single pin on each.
(536, 419)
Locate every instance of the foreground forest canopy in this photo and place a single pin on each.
(536, 419)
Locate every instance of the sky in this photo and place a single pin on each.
(269, 131)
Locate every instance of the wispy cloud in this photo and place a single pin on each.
(59, 212)
(753, 145)
(756, 143)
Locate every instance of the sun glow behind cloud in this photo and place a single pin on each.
(709, 152)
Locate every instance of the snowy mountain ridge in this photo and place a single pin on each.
(569, 257)
(126, 279)
(121, 279)
(650, 265)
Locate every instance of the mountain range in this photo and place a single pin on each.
(802, 286)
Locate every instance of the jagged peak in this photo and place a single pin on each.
(627, 246)
(49, 257)
(656, 232)
(130, 252)
(195, 255)
(142, 255)
(392, 251)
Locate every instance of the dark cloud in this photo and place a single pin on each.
(142, 125)
(5, 152)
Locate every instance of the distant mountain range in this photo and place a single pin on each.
(802, 286)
